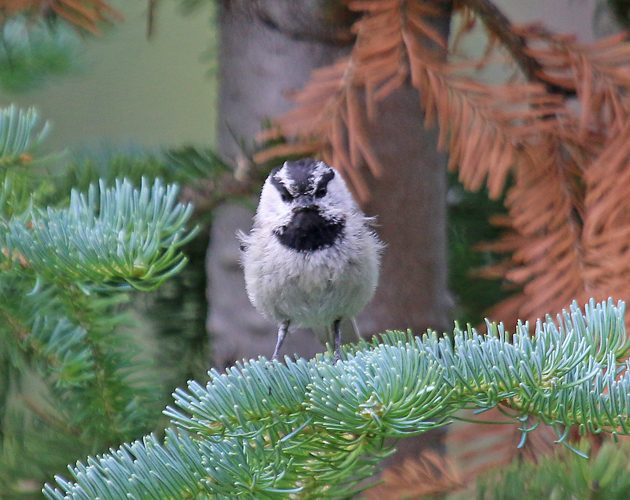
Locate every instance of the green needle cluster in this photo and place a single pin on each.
(111, 236)
(264, 428)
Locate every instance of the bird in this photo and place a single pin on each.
(312, 256)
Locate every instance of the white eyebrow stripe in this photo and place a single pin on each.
(315, 174)
(320, 169)
(286, 181)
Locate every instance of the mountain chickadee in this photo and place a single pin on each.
(311, 258)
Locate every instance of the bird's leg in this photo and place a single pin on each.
(337, 331)
(355, 327)
(282, 333)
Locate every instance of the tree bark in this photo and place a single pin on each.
(409, 202)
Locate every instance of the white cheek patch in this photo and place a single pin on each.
(272, 211)
(339, 196)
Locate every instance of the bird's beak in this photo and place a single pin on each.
(303, 203)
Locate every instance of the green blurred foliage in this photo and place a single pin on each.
(564, 476)
(468, 225)
(33, 51)
(621, 10)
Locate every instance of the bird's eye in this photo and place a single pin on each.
(285, 195)
(320, 192)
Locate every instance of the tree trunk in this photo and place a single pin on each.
(264, 54)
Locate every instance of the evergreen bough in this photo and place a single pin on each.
(71, 378)
(317, 428)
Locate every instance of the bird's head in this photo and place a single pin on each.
(305, 196)
(306, 185)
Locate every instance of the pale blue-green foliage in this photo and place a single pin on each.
(159, 470)
(110, 237)
(68, 262)
(263, 428)
(20, 132)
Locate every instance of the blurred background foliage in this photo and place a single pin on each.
(621, 9)
(563, 475)
(33, 51)
(468, 226)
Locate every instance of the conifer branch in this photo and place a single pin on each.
(67, 272)
(52, 345)
(86, 15)
(316, 427)
(20, 133)
(111, 237)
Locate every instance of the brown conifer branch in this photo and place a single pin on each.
(86, 15)
(497, 23)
